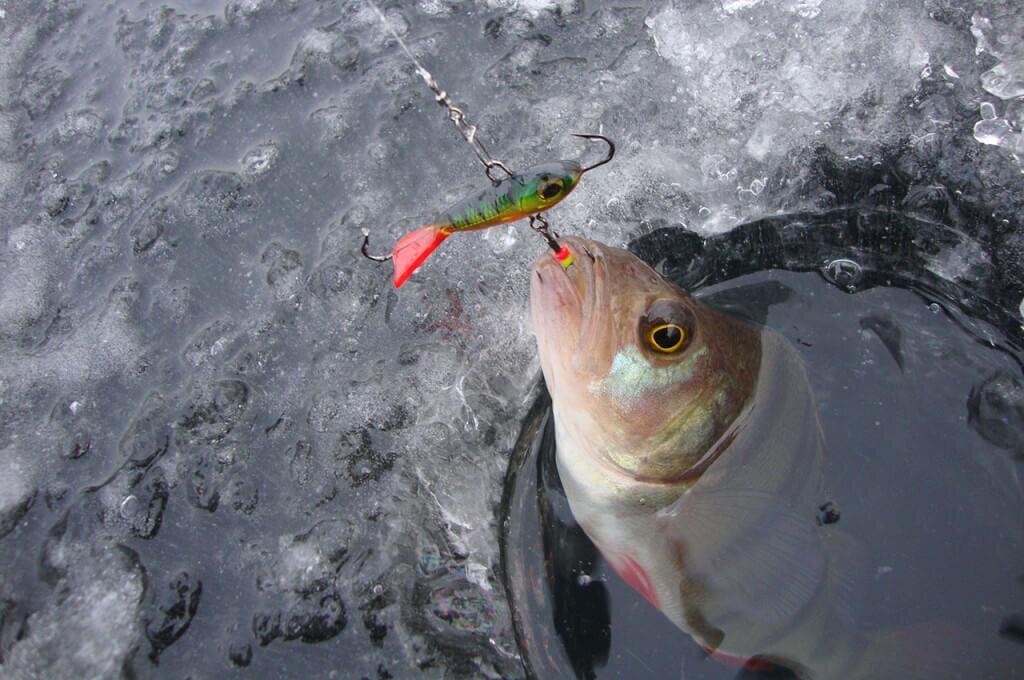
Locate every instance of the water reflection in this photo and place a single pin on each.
(995, 409)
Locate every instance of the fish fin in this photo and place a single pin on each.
(413, 248)
(720, 533)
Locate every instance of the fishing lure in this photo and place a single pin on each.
(519, 195)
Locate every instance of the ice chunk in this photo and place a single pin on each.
(90, 624)
(1001, 39)
(996, 132)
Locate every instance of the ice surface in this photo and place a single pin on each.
(1000, 38)
(198, 364)
(16, 491)
(90, 625)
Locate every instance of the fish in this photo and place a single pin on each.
(513, 198)
(690, 450)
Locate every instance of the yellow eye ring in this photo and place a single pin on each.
(666, 338)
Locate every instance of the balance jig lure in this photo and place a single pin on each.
(518, 195)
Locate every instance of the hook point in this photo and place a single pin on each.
(365, 250)
(611, 149)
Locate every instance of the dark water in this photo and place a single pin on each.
(919, 391)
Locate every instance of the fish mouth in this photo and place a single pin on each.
(566, 290)
(569, 305)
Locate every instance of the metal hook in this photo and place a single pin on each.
(611, 149)
(491, 165)
(541, 226)
(366, 254)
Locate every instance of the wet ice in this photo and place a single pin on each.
(186, 192)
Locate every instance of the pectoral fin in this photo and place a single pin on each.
(757, 561)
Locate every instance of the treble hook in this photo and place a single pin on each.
(611, 149)
(540, 225)
(366, 254)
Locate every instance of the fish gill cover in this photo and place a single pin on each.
(224, 442)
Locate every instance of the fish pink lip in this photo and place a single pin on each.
(554, 285)
(580, 275)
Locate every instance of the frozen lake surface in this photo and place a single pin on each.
(227, 443)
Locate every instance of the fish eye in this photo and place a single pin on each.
(551, 189)
(666, 338)
(667, 327)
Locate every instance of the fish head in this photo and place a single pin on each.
(545, 185)
(643, 377)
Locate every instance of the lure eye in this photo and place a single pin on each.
(551, 189)
(667, 327)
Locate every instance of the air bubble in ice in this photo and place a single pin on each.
(716, 167)
(843, 273)
(260, 160)
(129, 507)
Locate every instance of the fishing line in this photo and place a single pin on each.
(468, 131)
(455, 114)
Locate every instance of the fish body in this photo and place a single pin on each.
(690, 451)
(513, 198)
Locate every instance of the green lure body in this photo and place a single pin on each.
(513, 198)
(519, 195)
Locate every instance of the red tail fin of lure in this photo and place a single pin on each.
(413, 248)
